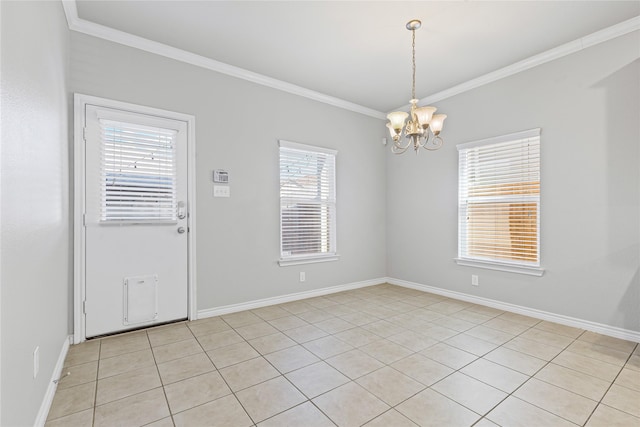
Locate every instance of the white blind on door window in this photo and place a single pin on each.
(138, 173)
(307, 201)
(499, 199)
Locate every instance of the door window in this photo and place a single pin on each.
(137, 173)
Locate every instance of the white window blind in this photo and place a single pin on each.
(138, 173)
(499, 200)
(307, 201)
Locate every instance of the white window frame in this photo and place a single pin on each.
(332, 254)
(512, 266)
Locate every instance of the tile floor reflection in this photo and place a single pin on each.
(377, 356)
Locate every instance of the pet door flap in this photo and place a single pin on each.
(140, 299)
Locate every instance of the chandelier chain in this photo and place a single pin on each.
(423, 127)
(413, 48)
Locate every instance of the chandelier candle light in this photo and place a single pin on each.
(423, 128)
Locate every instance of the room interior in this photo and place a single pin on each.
(254, 73)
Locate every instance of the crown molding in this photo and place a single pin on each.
(574, 46)
(90, 28)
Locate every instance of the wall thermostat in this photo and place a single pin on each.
(221, 176)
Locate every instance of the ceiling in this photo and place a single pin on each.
(360, 51)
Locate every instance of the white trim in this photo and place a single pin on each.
(531, 133)
(80, 101)
(90, 28)
(126, 39)
(569, 48)
(192, 307)
(78, 213)
(526, 137)
(305, 147)
(294, 150)
(307, 260)
(499, 266)
(47, 400)
(612, 331)
(70, 12)
(250, 305)
(1, 115)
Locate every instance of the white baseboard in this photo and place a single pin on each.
(218, 311)
(51, 390)
(600, 328)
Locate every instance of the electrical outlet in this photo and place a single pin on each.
(303, 276)
(474, 280)
(36, 361)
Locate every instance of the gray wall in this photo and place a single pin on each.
(587, 105)
(396, 214)
(237, 127)
(35, 254)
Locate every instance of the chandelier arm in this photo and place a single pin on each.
(426, 138)
(397, 144)
(396, 148)
(436, 142)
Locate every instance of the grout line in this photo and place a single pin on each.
(277, 370)
(384, 294)
(532, 376)
(609, 388)
(233, 393)
(164, 392)
(95, 395)
(482, 416)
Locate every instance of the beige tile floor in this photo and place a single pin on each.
(377, 356)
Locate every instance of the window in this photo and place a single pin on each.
(499, 203)
(138, 173)
(307, 204)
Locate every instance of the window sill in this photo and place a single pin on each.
(510, 268)
(283, 262)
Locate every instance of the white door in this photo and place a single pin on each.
(136, 244)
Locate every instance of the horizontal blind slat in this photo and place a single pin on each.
(138, 172)
(499, 196)
(307, 202)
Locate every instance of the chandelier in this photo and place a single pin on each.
(423, 128)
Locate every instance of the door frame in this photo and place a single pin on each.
(79, 237)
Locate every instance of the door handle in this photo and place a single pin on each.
(182, 210)
(181, 230)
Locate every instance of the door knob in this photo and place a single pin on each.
(181, 230)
